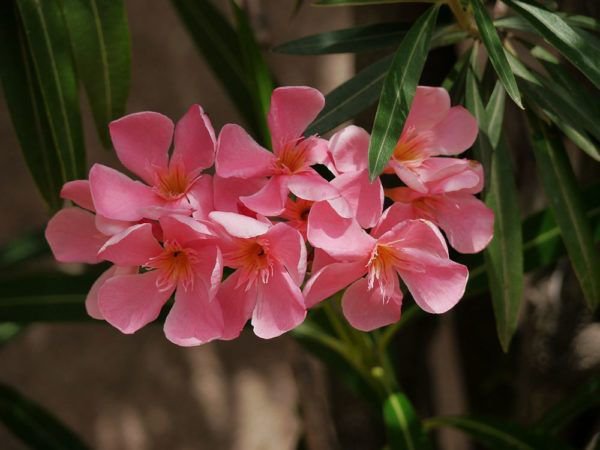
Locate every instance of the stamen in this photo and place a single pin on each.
(172, 183)
(176, 266)
(382, 268)
(252, 257)
(412, 147)
(293, 158)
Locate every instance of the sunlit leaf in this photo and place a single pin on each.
(399, 89)
(404, 428)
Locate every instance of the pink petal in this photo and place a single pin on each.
(317, 151)
(443, 175)
(292, 109)
(341, 238)
(132, 247)
(366, 309)
(320, 259)
(142, 142)
(78, 191)
(195, 141)
(238, 225)
(349, 149)
(410, 176)
(73, 237)
(430, 106)
(467, 222)
(310, 185)
(117, 196)
(194, 319)
(365, 198)
(184, 229)
(91, 301)
(332, 279)
(227, 192)
(279, 306)
(416, 235)
(287, 246)
(110, 227)
(237, 305)
(270, 200)
(129, 302)
(439, 285)
(200, 197)
(456, 133)
(395, 214)
(238, 155)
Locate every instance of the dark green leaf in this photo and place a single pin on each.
(399, 89)
(580, 49)
(494, 112)
(26, 106)
(23, 248)
(498, 435)
(349, 40)
(35, 426)
(561, 414)
(504, 255)
(216, 39)
(101, 47)
(8, 330)
(364, 2)
(257, 73)
(50, 50)
(351, 97)
(404, 428)
(585, 22)
(492, 43)
(564, 196)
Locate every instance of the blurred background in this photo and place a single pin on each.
(141, 392)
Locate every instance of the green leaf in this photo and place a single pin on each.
(580, 49)
(561, 414)
(585, 22)
(504, 255)
(50, 50)
(349, 40)
(494, 112)
(101, 48)
(351, 97)
(216, 39)
(26, 106)
(33, 424)
(8, 330)
(564, 196)
(492, 43)
(257, 73)
(404, 428)
(365, 2)
(498, 435)
(398, 91)
(23, 249)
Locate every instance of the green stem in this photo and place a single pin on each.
(463, 18)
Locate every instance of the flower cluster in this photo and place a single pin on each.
(182, 225)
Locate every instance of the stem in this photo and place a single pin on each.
(463, 18)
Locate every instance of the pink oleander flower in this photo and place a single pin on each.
(289, 166)
(349, 161)
(296, 214)
(413, 250)
(186, 262)
(270, 264)
(433, 129)
(467, 222)
(76, 235)
(174, 184)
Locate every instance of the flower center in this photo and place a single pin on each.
(292, 158)
(172, 183)
(411, 148)
(426, 207)
(252, 257)
(382, 268)
(176, 266)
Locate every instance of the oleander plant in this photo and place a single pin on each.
(348, 227)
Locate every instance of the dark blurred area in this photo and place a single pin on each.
(141, 392)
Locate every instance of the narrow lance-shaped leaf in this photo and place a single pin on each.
(26, 106)
(257, 72)
(218, 42)
(35, 426)
(404, 428)
(364, 2)
(504, 255)
(398, 91)
(498, 435)
(565, 200)
(492, 43)
(581, 50)
(101, 48)
(51, 54)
